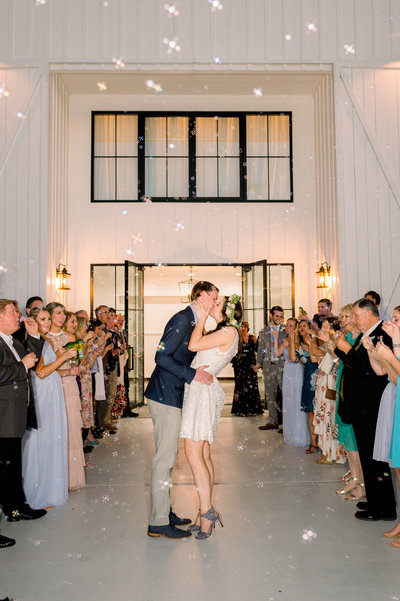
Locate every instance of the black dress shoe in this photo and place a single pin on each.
(175, 521)
(87, 449)
(25, 513)
(6, 542)
(362, 505)
(134, 414)
(268, 427)
(169, 531)
(97, 435)
(375, 517)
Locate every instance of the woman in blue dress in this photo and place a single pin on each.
(310, 364)
(45, 450)
(294, 420)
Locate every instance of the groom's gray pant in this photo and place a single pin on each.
(167, 423)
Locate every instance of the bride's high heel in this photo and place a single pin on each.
(212, 516)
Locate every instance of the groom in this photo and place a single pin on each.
(164, 395)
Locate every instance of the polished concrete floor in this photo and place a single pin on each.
(95, 548)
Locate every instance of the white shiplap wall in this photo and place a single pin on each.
(23, 183)
(368, 114)
(244, 31)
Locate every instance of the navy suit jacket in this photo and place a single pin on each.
(173, 359)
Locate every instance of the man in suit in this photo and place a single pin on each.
(361, 391)
(272, 366)
(15, 362)
(31, 303)
(164, 396)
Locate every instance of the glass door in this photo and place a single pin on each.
(134, 319)
(254, 294)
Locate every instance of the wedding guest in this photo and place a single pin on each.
(310, 364)
(324, 311)
(45, 450)
(376, 298)
(31, 303)
(83, 313)
(384, 424)
(353, 479)
(85, 379)
(15, 361)
(325, 397)
(391, 362)
(362, 391)
(110, 361)
(272, 366)
(59, 338)
(246, 397)
(294, 421)
(102, 314)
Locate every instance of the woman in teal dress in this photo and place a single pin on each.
(354, 489)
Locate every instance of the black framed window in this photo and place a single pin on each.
(192, 157)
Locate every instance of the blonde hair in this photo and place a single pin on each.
(81, 324)
(347, 309)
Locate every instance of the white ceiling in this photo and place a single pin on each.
(198, 84)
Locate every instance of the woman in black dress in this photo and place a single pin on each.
(246, 398)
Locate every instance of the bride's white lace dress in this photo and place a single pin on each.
(202, 405)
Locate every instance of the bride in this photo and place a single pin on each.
(202, 405)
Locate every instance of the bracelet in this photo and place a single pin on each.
(396, 346)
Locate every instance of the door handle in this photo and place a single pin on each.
(131, 364)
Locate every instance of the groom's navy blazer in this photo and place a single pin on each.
(173, 359)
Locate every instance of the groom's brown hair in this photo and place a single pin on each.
(200, 287)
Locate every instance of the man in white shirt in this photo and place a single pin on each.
(15, 361)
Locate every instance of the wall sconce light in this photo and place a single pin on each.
(324, 276)
(61, 277)
(185, 287)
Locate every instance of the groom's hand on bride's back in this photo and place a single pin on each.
(203, 376)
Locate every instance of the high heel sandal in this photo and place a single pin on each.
(311, 449)
(353, 496)
(348, 488)
(195, 527)
(346, 477)
(212, 516)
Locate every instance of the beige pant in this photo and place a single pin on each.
(111, 391)
(167, 423)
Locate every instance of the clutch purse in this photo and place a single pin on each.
(326, 364)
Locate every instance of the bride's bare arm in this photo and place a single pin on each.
(221, 338)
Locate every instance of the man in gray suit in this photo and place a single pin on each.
(272, 366)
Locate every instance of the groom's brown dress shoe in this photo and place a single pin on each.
(268, 427)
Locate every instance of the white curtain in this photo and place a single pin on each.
(268, 165)
(166, 157)
(217, 157)
(115, 156)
